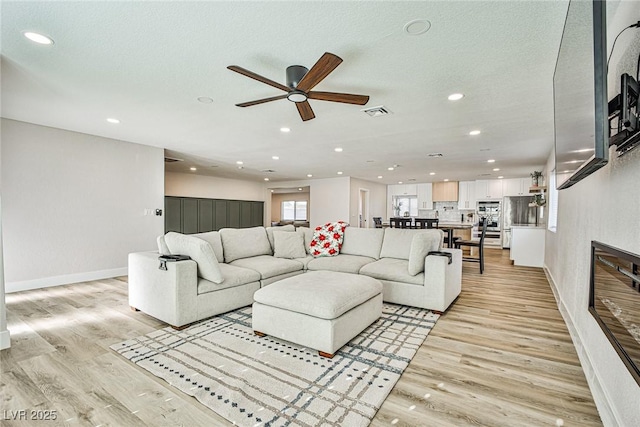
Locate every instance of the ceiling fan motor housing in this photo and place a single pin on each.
(295, 73)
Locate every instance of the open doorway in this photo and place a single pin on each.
(290, 206)
(363, 208)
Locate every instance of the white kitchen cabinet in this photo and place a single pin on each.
(425, 196)
(516, 187)
(402, 190)
(489, 189)
(467, 195)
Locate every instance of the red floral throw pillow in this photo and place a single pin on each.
(327, 239)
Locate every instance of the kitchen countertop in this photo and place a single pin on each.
(454, 224)
(528, 226)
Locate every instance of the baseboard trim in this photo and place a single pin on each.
(67, 279)
(605, 410)
(5, 340)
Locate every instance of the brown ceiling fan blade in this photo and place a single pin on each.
(321, 69)
(258, 77)
(346, 98)
(261, 101)
(306, 113)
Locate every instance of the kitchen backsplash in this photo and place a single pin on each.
(447, 211)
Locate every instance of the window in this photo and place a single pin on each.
(402, 204)
(553, 203)
(293, 210)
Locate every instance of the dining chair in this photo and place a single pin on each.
(404, 222)
(377, 220)
(477, 244)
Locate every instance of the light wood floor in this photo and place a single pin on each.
(500, 356)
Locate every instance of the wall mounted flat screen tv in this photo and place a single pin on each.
(580, 94)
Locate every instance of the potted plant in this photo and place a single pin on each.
(535, 178)
(539, 200)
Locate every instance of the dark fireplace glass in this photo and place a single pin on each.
(614, 301)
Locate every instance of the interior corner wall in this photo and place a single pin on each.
(74, 204)
(210, 187)
(377, 201)
(5, 341)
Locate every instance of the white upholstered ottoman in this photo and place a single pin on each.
(322, 310)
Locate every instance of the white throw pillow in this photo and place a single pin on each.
(270, 230)
(288, 245)
(199, 250)
(421, 244)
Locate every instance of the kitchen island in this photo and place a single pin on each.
(527, 245)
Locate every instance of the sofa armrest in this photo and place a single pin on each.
(168, 295)
(443, 279)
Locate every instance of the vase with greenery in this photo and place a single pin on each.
(535, 178)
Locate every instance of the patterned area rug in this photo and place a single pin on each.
(253, 381)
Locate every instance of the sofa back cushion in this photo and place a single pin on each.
(241, 243)
(362, 241)
(421, 244)
(162, 246)
(270, 230)
(308, 237)
(397, 242)
(213, 237)
(199, 250)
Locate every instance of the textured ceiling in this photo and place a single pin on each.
(146, 63)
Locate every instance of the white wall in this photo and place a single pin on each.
(329, 200)
(74, 204)
(191, 185)
(377, 201)
(603, 207)
(5, 342)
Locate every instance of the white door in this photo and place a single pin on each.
(363, 209)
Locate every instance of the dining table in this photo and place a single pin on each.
(450, 226)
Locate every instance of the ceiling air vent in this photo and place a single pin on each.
(378, 111)
(171, 160)
(435, 155)
(267, 171)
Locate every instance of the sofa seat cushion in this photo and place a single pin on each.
(343, 263)
(233, 276)
(393, 270)
(268, 266)
(340, 292)
(305, 261)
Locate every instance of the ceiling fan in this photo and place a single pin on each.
(300, 81)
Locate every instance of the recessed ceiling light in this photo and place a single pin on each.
(379, 176)
(417, 27)
(239, 162)
(193, 169)
(474, 132)
(399, 182)
(339, 173)
(338, 150)
(38, 38)
(266, 179)
(309, 175)
(275, 157)
(455, 97)
(491, 161)
(496, 169)
(272, 191)
(112, 120)
(446, 180)
(299, 189)
(432, 173)
(285, 130)
(205, 99)
(389, 169)
(500, 177)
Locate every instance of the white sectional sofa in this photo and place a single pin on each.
(229, 266)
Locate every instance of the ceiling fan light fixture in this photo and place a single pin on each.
(297, 96)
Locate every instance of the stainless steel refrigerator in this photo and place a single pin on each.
(516, 211)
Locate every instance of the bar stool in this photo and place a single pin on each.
(477, 244)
